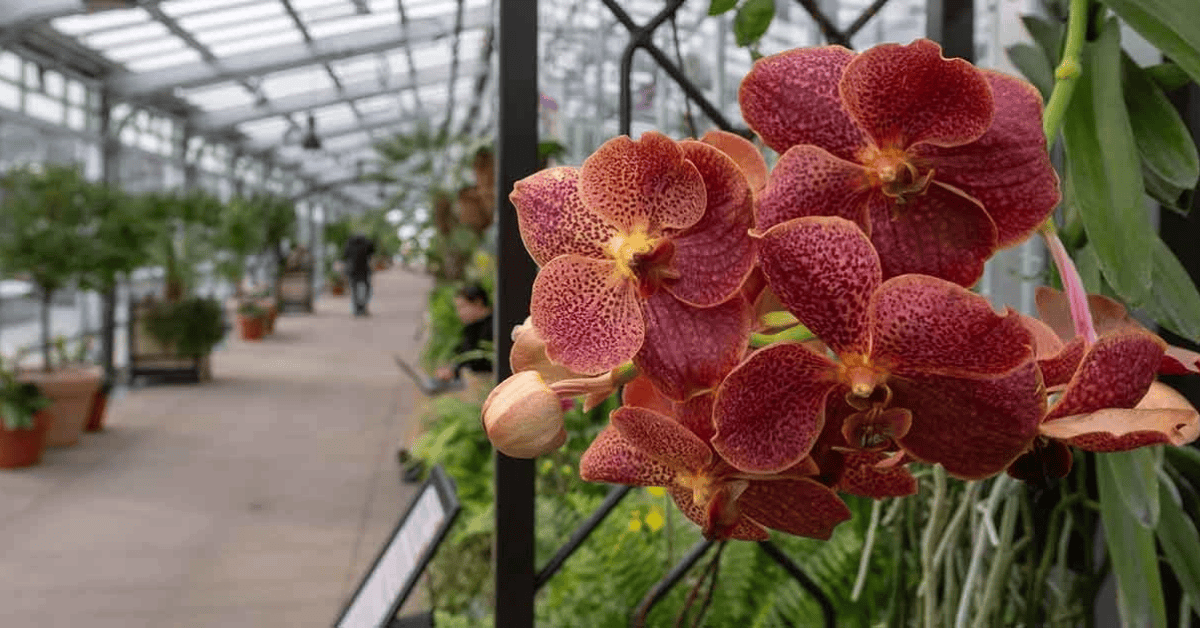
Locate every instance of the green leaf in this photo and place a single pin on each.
(1032, 63)
(1181, 545)
(1168, 76)
(1137, 482)
(717, 7)
(1172, 197)
(1162, 138)
(1104, 169)
(1131, 548)
(1171, 25)
(1185, 460)
(752, 20)
(1175, 303)
(1048, 35)
(1088, 266)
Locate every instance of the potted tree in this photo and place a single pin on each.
(187, 329)
(123, 232)
(45, 215)
(22, 422)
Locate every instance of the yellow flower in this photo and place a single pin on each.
(655, 520)
(635, 525)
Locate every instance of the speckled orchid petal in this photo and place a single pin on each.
(689, 349)
(1007, 169)
(824, 270)
(744, 153)
(553, 219)
(1179, 361)
(644, 184)
(714, 256)
(941, 233)
(613, 459)
(1057, 370)
(791, 98)
(802, 507)
(770, 409)
(662, 438)
(641, 393)
(1115, 372)
(973, 427)
(925, 325)
(905, 94)
(743, 529)
(588, 315)
(862, 477)
(811, 181)
(696, 414)
(1163, 416)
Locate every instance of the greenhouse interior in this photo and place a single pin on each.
(414, 313)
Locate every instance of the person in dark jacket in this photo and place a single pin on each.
(358, 252)
(474, 309)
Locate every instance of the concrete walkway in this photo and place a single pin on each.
(256, 500)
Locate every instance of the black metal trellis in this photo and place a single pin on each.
(951, 22)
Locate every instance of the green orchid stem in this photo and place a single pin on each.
(799, 333)
(1068, 71)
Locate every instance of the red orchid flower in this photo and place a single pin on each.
(922, 363)
(939, 162)
(637, 239)
(1110, 400)
(644, 447)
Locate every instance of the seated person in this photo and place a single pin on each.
(474, 309)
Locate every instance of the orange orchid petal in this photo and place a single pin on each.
(1115, 372)
(974, 427)
(744, 153)
(802, 507)
(791, 98)
(589, 317)
(1162, 416)
(926, 325)
(862, 477)
(824, 270)
(554, 220)
(1007, 169)
(714, 256)
(613, 459)
(906, 94)
(942, 233)
(641, 393)
(770, 409)
(662, 438)
(696, 414)
(689, 349)
(811, 181)
(743, 529)
(643, 184)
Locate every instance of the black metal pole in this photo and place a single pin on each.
(952, 24)
(806, 583)
(614, 497)
(664, 586)
(516, 150)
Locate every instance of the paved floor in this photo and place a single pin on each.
(254, 501)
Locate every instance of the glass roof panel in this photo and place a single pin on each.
(278, 38)
(296, 81)
(158, 62)
(162, 45)
(202, 23)
(340, 26)
(220, 96)
(269, 131)
(334, 116)
(137, 32)
(80, 24)
(181, 8)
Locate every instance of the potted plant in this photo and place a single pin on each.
(80, 355)
(45, 215)
(186, 329)
(22, 422)
(251, 320)
(336, 281)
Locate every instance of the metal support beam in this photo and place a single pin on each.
(280, 58)
(516, 143)
(315, 99)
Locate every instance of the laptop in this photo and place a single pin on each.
(431, 386)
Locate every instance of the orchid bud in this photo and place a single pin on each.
(523, 417)
(529, 354)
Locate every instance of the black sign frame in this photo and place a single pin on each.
(447, 494)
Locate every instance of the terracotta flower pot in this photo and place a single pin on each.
(95, 421)
(71, 391)
(337, 289)
(252, 327)
(272, 314)
(23, 448)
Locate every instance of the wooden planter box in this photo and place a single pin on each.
(150, 358)
(294, 291)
